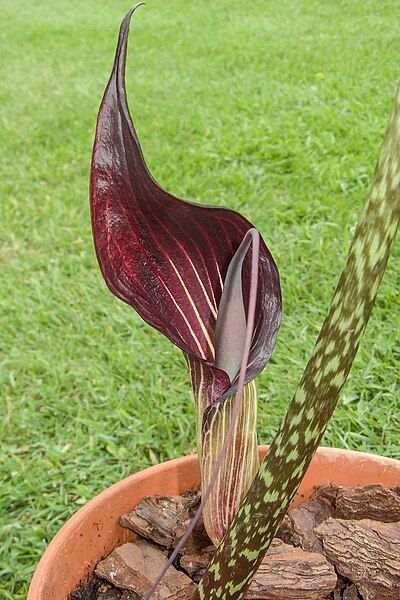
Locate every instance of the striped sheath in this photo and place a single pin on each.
(241, 460)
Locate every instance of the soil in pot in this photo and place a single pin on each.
(342, 544)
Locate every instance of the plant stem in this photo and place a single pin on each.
(254, 526)
(240, 465)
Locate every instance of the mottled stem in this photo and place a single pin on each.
(243, 548)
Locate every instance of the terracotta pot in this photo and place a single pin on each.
(93, 532)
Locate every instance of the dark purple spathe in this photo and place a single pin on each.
(165, 257)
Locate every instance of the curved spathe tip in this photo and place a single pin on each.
(165, 257)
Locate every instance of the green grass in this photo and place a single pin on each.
(276, 109)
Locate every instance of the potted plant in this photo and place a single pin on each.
(204, 278)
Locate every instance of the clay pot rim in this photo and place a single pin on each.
(190, 459)
(122, 486)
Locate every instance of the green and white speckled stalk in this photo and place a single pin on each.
(244, 546)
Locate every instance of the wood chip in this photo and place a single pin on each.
(285, 531)
(292, 574)
(366, 552)
(196, 564)
(280, 547)
(345, 590)
(162, 519)
(135, 566)
(350, 593)
(369, 502)
(304, 519)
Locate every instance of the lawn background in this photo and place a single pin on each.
(276, 109)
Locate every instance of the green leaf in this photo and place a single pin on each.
(254, 526)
